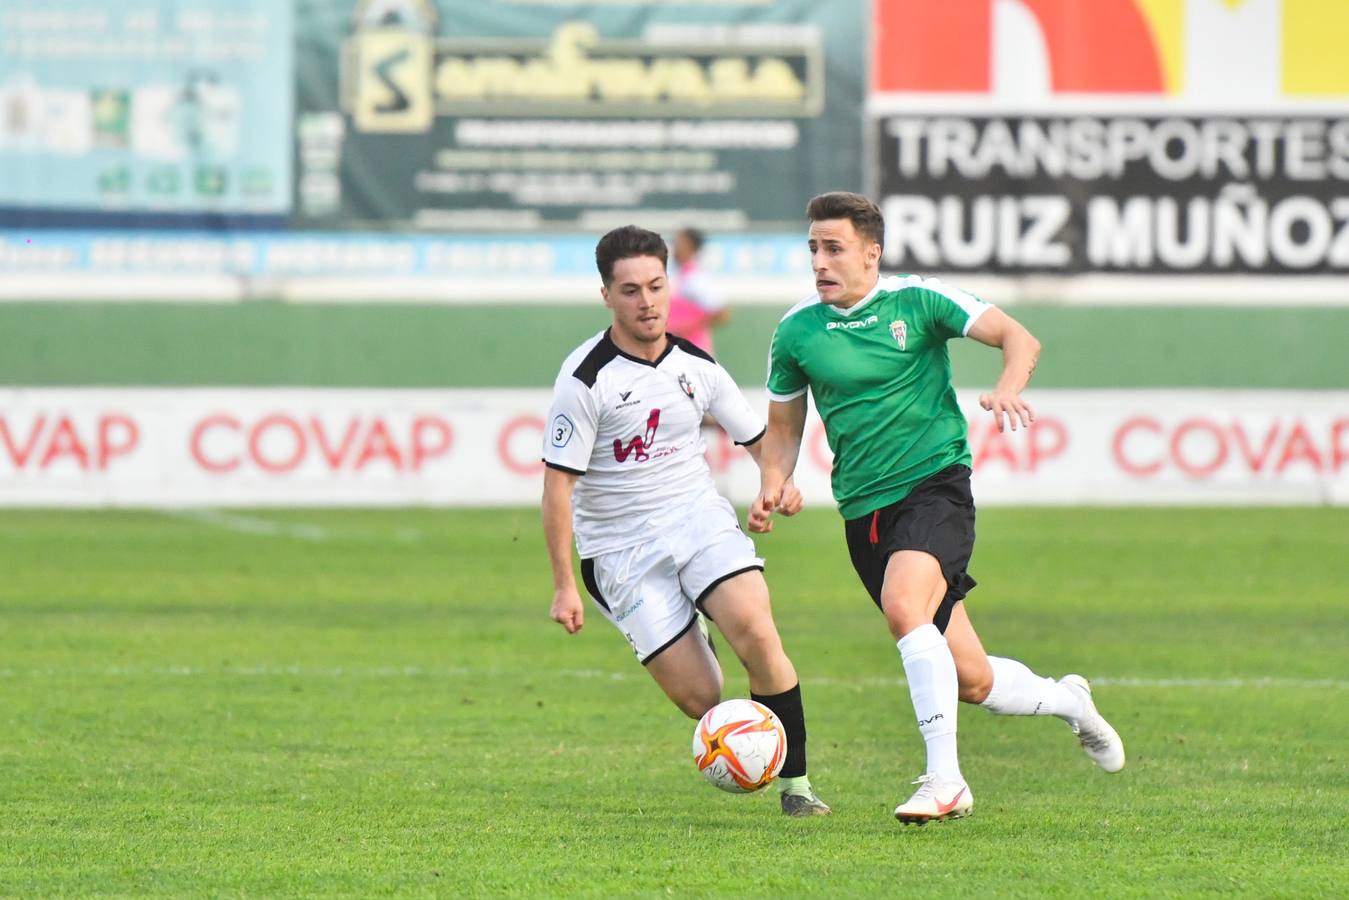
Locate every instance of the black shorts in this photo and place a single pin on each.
(936, 517)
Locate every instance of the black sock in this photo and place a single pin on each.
(787, 707)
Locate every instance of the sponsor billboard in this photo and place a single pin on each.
(1205, 137)
(505, 115)
(140, 106)
(370, 267)
(268, 447)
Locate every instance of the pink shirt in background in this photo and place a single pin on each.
(693, 302)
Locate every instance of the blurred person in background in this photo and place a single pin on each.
(695, 306)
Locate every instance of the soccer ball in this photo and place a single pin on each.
(739, 745)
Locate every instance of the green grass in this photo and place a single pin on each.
(423, 345)
(377, 704)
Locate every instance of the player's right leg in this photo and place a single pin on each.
(637, 589)
(912, 557)
(688, 673)
(1007, 687)
(912, 592)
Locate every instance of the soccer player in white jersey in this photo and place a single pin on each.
(627, 476)
(872, 352)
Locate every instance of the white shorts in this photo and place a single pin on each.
(651, 591)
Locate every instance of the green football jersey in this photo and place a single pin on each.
(881, 378)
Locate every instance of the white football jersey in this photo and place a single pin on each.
(632, 430)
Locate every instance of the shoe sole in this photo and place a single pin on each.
(918, 819)
(809, 814)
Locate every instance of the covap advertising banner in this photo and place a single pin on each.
(1121, 136)
(514, 115)
(323, 447)
(141, 106)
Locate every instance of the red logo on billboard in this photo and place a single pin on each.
(1101, 46)
(282, 442)
(52, 440)
(637, 448)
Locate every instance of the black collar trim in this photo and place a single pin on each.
(669, 347)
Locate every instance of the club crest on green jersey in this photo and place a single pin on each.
(900, 332)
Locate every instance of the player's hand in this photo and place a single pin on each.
(791, 501)
(761, 510)
(567, 609)
(1009, 405)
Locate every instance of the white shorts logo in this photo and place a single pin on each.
(561, 431)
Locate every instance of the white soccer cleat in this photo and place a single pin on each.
(1099, 741)
(937, 798)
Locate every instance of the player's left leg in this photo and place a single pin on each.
(637, 590)
(688, 673)
(743, 613)
(1007, 687)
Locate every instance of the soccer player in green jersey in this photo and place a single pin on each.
(872, 352)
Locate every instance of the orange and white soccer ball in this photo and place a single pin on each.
(739, 745)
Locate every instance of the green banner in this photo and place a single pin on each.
(508, 115)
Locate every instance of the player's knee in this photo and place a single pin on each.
(759, 644)
(696, 693)
(693, 703)
(905, 611)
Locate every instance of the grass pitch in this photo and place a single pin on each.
(361, 703)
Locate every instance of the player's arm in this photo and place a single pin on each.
(790, 501)
(733, 412)
(781, 446)
(1020, 352)
(567, 610)
(567, 446)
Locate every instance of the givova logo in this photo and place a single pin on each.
(849, 325)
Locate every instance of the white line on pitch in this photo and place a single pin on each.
(250, 524)
(240, 524)
(1108, 681)
(337, 672)
(1105, 681)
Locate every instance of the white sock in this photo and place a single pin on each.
(1017, 691)
(931, 673)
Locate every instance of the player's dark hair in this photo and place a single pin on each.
(865, 216)
(695, 237)
(624, 243)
